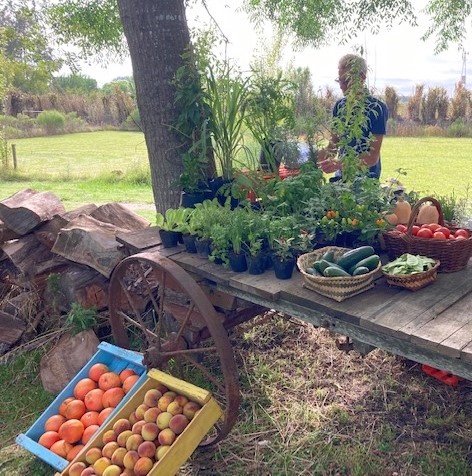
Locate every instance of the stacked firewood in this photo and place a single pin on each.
(55, 258)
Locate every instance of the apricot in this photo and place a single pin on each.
(151, 414)
(97, 370)
(89, 418)
(101, 465)
(123, 437)
(49, 438)
(109, 449)
(120, 425)
(166, 437)
(143, 466)
(109, 380)
(149, 431)
(118, 456)
(163, 420)
(92, 455)
(71, 431)
(112, 397)
(83, 387)
(74, 452)
(162, 388)
(151, 397)
(132, 418)
(133, 442)
(109, 435)
(190, 409)
(164, 402)
(174, 408)
(147, 448)
(130, 459)
(75, 410)
(103, 415)
(54, 422)
(112, 470)
(129, 382)
(138, 426)
(88, 433)
(88, 472)
(178, 423)
(181, 400)
(63, 405)
(161, 451)
(77, 468)
(141, 410)
(61, 448)
(124, 374)
(93, 400)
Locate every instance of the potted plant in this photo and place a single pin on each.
(283, 257)
(189, 233)
(169, 225)
(237, 234)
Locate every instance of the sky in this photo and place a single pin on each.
(397, 58)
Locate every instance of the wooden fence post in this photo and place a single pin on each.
(13, 153)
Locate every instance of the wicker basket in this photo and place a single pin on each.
(339, 288)
(453, 255)
(415, 281)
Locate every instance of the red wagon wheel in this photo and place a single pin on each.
(156, 304)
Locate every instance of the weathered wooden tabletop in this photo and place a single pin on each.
(431, 326)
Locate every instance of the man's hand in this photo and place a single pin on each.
(327, 162)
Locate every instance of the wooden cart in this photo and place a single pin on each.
(182, 307)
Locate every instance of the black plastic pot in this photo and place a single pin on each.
(169, 238)
(189, 200)
(203, 248)
(283, 269)
(189, 242)
(257, 263)
(237, 262)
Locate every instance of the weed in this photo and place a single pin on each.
(80, 319)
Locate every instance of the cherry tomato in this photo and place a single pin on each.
(415, 230)
(424, 233)
(444, 230)
(401, 228)
(434, 226)
(438, 235)
(461, 232)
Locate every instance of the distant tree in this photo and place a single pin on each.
(415, 103)
(460, 103)
(392, 100)
(443, 105)
(74, 83)
(126, 84)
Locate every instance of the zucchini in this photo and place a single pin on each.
(370, 262)
(313, 271)
(329, 256)
(323, 264)
(351, 257)
(335, 272)
(360, 270)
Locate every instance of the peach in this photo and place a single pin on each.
(118, 456)
(92, 455)
(130, 459)
(149, 431)
(49, 438)
(166, 437)
(151, 414)
(138, 426)
(103, 415)
(109, 449)
(121, 425)
(71, 430)
(53, 423)
(74, 452)
(151, 397)
(124, 374)
(123, 437)
(132, 418)
(97, 370)
(190, 409)
(76, 468)
(127, 472)
(112, 470)
(178, 423)
(147, 448)
(89, 418)
(143, 466)
(170, 393)
(88, 472)
(133, 442)
(162, 388)
(129, 382)
(83, 387)
(93, 400)
(161, 451)
(101, 465)
(164, 402)
(109, 380)
(63, 405)
(108, 436)
(163, 420)
(181, 400)
(141, 410)
(61, 448)
(88, 433)
(112, 397)
(174, 408)
(75, 410)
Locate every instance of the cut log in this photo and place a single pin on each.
(87, 209)
(92, 242)
(119, 215)
(24, 306)
(25, 210)
(6, 234)
(11, 328)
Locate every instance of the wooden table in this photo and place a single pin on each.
(431, 326)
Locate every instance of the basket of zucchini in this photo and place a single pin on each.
(339, 273)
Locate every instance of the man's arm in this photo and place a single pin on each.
(372, 157)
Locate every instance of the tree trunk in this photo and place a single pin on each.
(158, 35)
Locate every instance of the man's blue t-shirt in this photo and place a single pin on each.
(377, 115)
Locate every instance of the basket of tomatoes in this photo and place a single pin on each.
(451, 245)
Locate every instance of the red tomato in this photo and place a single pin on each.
(438, 235)
(424, 233)
(434, 226)
(415, 230)
(425, 225)
(461, 232)
(444, 230)
(401, 228)
(460, 237)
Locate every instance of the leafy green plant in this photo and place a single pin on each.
(173, 219)
(52, 122)
(80, 319)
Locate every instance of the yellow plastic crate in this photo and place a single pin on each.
(185, 443)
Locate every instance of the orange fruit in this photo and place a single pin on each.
(129, 382)
(104, 414)
(71, 431)
(53, 423)
(89, 418)
(93, 400)
(49, 438)
(63, 405)
(74, 452)
(112, 397)
(124, 374)
(88, 432)
(109, 380)
(75, 409)
(97, 370)
(83, 387)
(61, 448)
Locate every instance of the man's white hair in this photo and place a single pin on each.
(354, 63)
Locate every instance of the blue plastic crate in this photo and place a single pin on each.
(117, 359)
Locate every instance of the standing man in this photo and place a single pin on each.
(359, 125)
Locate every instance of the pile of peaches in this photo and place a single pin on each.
(80, 416)
(134, 445)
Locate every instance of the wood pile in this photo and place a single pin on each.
(50, 258)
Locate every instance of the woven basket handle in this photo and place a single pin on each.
(416, 209)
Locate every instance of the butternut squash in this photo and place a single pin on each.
(402, 210)
(427, 213)
(391, 218)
